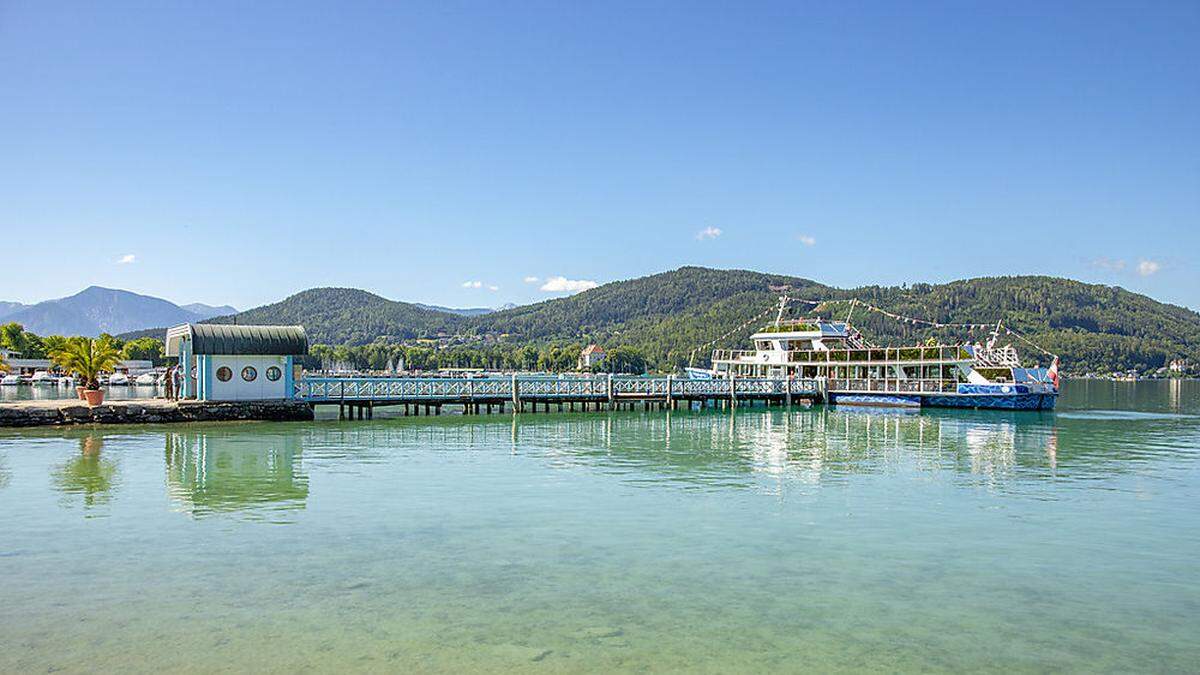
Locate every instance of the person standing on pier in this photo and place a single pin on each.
(169, 384)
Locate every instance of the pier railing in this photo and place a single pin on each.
(517, 388)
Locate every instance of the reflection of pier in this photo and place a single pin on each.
(360, 395)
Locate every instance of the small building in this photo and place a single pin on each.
(591, 356)
(225, 362)
(20, 366)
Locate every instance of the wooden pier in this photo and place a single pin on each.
(359, 396)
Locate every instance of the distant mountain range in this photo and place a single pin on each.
(677, 317)
(96, 310)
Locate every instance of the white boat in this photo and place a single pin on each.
(10, 380)
(42, 377)
(147, 379)
(118, 380)
(66, 381)
(856, 372)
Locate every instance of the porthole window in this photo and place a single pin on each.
(224, 374)
(249, 374)
(274, 373)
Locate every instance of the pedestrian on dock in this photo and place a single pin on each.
(169, 384)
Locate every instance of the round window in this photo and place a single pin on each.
(224, 374)
(249, 374)
(274, 373)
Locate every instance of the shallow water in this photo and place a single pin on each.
(823, 539)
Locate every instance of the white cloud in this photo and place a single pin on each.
(807, 240)
(1148, 267)
(127, 259)
(472, 284)
(709, 232)
(1109, 264)
(493, 288)
(565, 285)
(531, 280)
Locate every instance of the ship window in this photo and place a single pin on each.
(249, 374)
(224, 374)
(274, 373)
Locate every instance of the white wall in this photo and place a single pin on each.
(237, 389)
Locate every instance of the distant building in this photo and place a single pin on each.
(20, 366)
(591, 356)
(237, 363)
(1177, 366)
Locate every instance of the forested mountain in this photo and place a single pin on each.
(668, 316)
(350, 316)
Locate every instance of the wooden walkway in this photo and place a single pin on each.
(361, 395)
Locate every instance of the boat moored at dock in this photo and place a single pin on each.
(857, 372)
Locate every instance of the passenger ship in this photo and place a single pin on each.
(857, 372)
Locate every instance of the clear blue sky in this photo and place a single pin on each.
(242, 151)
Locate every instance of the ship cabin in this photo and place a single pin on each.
(834, 350)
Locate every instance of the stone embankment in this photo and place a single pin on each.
(148, 411)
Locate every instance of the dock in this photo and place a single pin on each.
(359, 396)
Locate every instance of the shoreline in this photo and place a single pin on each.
(70, 412)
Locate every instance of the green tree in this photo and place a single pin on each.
(144, 349)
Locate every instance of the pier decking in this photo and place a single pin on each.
(360, 395)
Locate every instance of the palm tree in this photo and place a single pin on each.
(87, 358)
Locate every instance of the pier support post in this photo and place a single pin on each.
(732, 390)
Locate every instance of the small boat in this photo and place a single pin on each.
(147, 379)
(10, 380)
(118, 380)
(42, 377)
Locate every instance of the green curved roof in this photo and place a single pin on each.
(227, 339)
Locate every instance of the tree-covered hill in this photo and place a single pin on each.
(668, 316)
(349, 316)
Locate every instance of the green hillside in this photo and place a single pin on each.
(350, 316)
(667, 316)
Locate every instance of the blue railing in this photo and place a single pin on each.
(533, 387)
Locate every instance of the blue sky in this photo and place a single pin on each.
(455, 152)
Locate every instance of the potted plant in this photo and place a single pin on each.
(87, 358)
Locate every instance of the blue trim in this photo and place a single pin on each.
(288, 383)
(208, 374)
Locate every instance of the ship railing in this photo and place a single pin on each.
(893, 385)
(923, 354)
(1002, 357)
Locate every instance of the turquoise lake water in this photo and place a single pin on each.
(826, 540)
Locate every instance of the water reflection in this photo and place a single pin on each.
(699, 449)
(88, 475)
(258, 475)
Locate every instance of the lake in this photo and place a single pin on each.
(826, 540)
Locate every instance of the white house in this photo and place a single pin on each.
(237, 363)
(592, 355)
